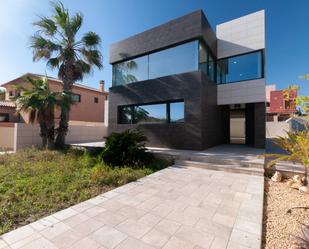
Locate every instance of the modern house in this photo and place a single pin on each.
(281, 104)
(88, 102)
(189, 87)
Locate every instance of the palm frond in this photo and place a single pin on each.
(93, 57)
(53, 63)
(91, 39)
(47, 26)
(73, 25)
(43, 48)
(61, 15)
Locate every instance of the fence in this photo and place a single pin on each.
(15, 136)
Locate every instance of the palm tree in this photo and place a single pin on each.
(40, 103)
(56, 42)
(297, 147)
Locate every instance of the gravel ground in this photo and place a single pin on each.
(278, 225)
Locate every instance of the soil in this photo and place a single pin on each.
(279, 227)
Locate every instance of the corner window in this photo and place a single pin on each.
(76, 98)
(239, 68)
(96, 100)
(169, 112)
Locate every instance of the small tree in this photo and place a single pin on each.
(56, 42)
(40, 103)
(297, 146)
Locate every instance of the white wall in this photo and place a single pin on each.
(241, 35)
(27, 135)
(242, 92)
(235, 37)
(276, 129)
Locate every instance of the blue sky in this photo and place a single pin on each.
(287, 31)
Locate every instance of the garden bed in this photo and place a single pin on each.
(278, 224)
(35, 183)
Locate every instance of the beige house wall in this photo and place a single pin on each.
(7, 136)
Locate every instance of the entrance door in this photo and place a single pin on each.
(237, 127)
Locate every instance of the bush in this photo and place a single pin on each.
(126, 149)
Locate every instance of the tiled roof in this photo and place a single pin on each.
(58, 80)
(7, 104)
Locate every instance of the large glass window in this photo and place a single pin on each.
(150, 113)
(170, 112)
(179, 59)
(130, 71)
(240, 68)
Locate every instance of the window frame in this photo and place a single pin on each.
(167, 108)
(96, 100)
(79, 98)
(261, 51)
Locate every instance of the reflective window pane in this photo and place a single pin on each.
(211, 68)
(177, 112)
(203, 58)
(179, 59)
(130, 71)
(239, 68)
(125, 115)
(150, 113)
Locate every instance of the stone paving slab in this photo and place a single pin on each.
(175, 208)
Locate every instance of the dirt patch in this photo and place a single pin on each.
(278, 224)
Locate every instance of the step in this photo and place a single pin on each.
(221, 167)
(255, 163)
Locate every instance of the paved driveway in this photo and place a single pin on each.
(179, 208)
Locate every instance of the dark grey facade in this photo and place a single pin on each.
(206, 124)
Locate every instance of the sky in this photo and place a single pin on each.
(287, 31)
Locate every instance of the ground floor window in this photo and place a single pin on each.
(167, 112)
(4, 117)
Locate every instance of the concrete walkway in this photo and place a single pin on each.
(176, 208)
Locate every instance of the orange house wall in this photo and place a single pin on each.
(86, 110)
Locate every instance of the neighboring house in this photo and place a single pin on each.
(279, 108)
(189, 87)
(88, 102)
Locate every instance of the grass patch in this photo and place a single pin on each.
(35, 183)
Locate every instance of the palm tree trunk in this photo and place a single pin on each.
(62, 129)
(65, 113)
(43, 133)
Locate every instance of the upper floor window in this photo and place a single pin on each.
(206, 61)
(179, 59)
(96, 100)
(240, 68)
(175, 60)
(76, 98)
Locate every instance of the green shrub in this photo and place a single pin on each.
(126, 149)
